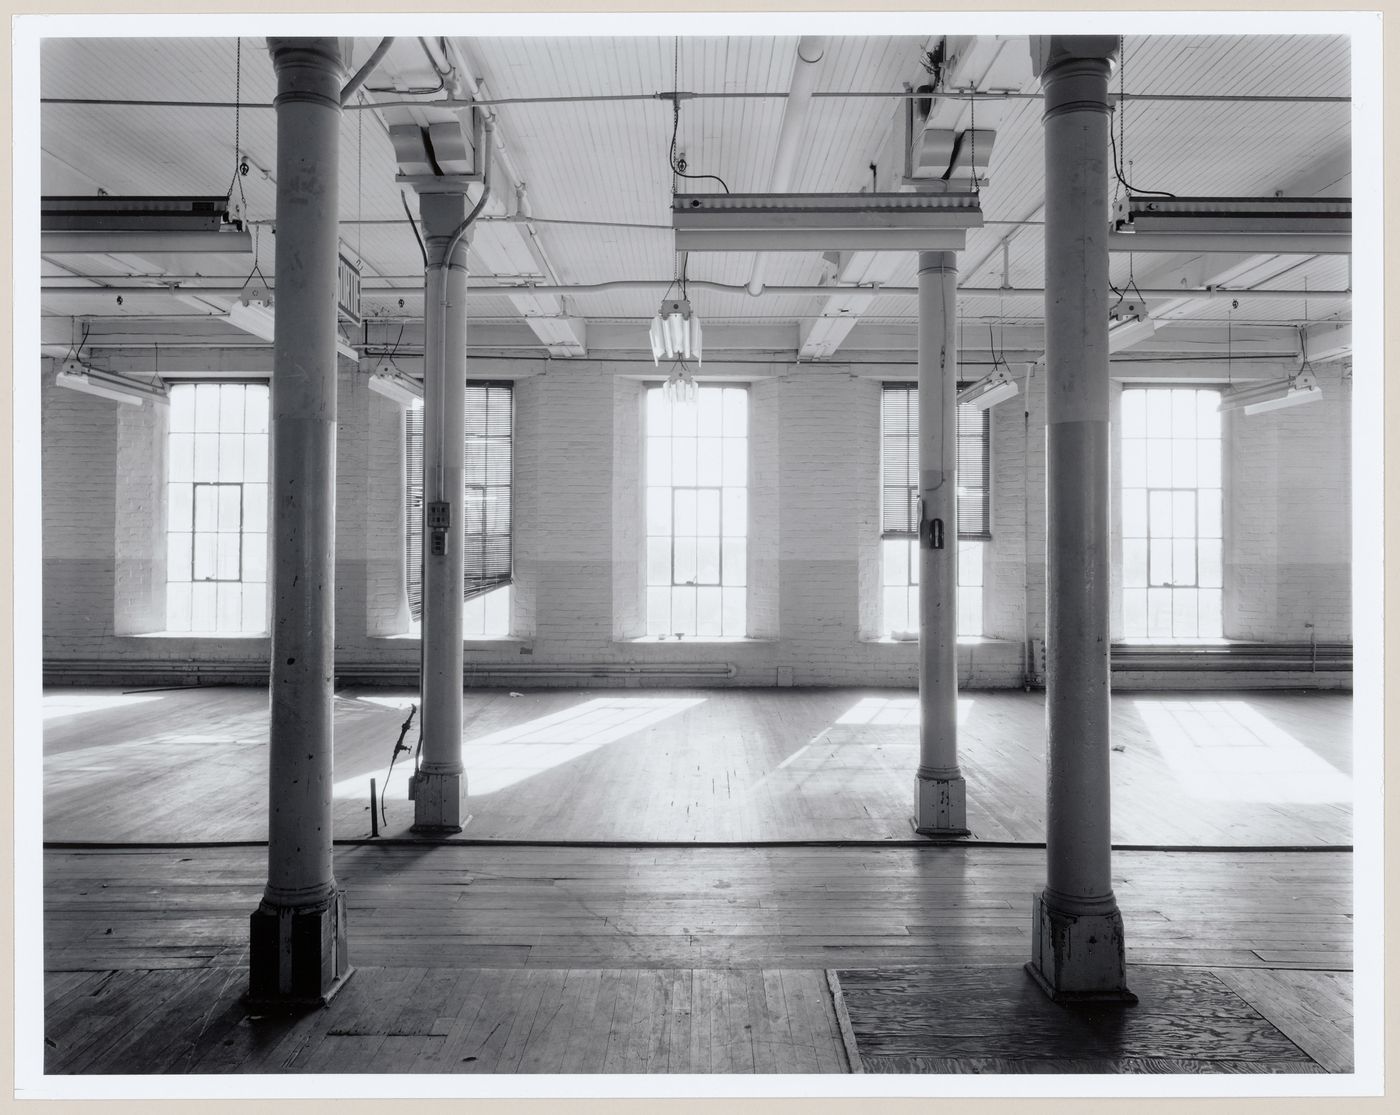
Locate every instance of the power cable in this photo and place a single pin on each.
(1122, 128)
(403, 197)
(676, 168)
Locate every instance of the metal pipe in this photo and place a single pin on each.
(810, 51)
(940, 792)
(1078, 943)
(1202, 294)
(364, 71)
(951, 94)
(301, 902)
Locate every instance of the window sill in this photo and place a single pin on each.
(689, 639)
(963, 640)
(195, 635)
(469, 641)
(1163, 641)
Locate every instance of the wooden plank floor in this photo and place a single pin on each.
(700, 959)
(1231, 769)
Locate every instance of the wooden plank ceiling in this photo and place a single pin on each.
(606, 162)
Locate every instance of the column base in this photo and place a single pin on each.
(940, 807)
(439, 802)
(298, 957)
(1078, 958)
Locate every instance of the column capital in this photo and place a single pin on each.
(1049, 51)
(310, 69)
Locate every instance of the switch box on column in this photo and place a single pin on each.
(439, 518)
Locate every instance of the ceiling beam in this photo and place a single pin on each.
(980, 62)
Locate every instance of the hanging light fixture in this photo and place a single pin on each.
(77, 376)
(1128, 325)
(675, 332)
(402, 389)
(680, 387)
(1296, 389)
(990, 389)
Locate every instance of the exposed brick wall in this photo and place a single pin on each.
(79, 458)
(1288, 518)
(140, 548)
(814, 559)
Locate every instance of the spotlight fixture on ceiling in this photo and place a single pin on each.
(78, 376)
(675, 332)
(1302, 387)
(404, 390)
(989, 390)
(1128, 324)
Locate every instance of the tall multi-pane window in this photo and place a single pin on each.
(486, 529)
(1171, 521)
(216, 509)
(899, 510)
(697, 512)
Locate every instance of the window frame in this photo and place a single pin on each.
(175, 383)
(646, 536)
(413, 505)
(910, 537)
(1171, 491)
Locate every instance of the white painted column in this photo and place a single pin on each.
(298, 954)
(440, 785)
(1077, 946)
(940, 796)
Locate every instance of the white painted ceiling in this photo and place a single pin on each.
(598, 184)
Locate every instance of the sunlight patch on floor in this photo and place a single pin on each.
(894, 711)
(75, 704)
(511, 755)
(1229, 751)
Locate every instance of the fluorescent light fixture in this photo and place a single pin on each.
(824, 222)
(1293, 391)
(404, 390)
(103, 224)
(1284, 225)
(680, 387)
(675, 332)
(256, 319)
(1128, 325)
(79, 377)
(253, 314)
(990, 390)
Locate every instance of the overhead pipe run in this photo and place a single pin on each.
(364, 71)
(810, 51)
(1203, 293)
(956, 94)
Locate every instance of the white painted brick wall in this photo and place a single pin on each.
(813, 529)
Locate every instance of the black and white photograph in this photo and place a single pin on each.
(698, 554)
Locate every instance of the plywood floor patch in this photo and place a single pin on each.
(995, 1019)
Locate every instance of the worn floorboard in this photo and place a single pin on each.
(1236, 769)
(531, 960)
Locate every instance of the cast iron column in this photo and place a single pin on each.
(940, 794)
(1077, 942)
(440, 785)
(298, 954)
